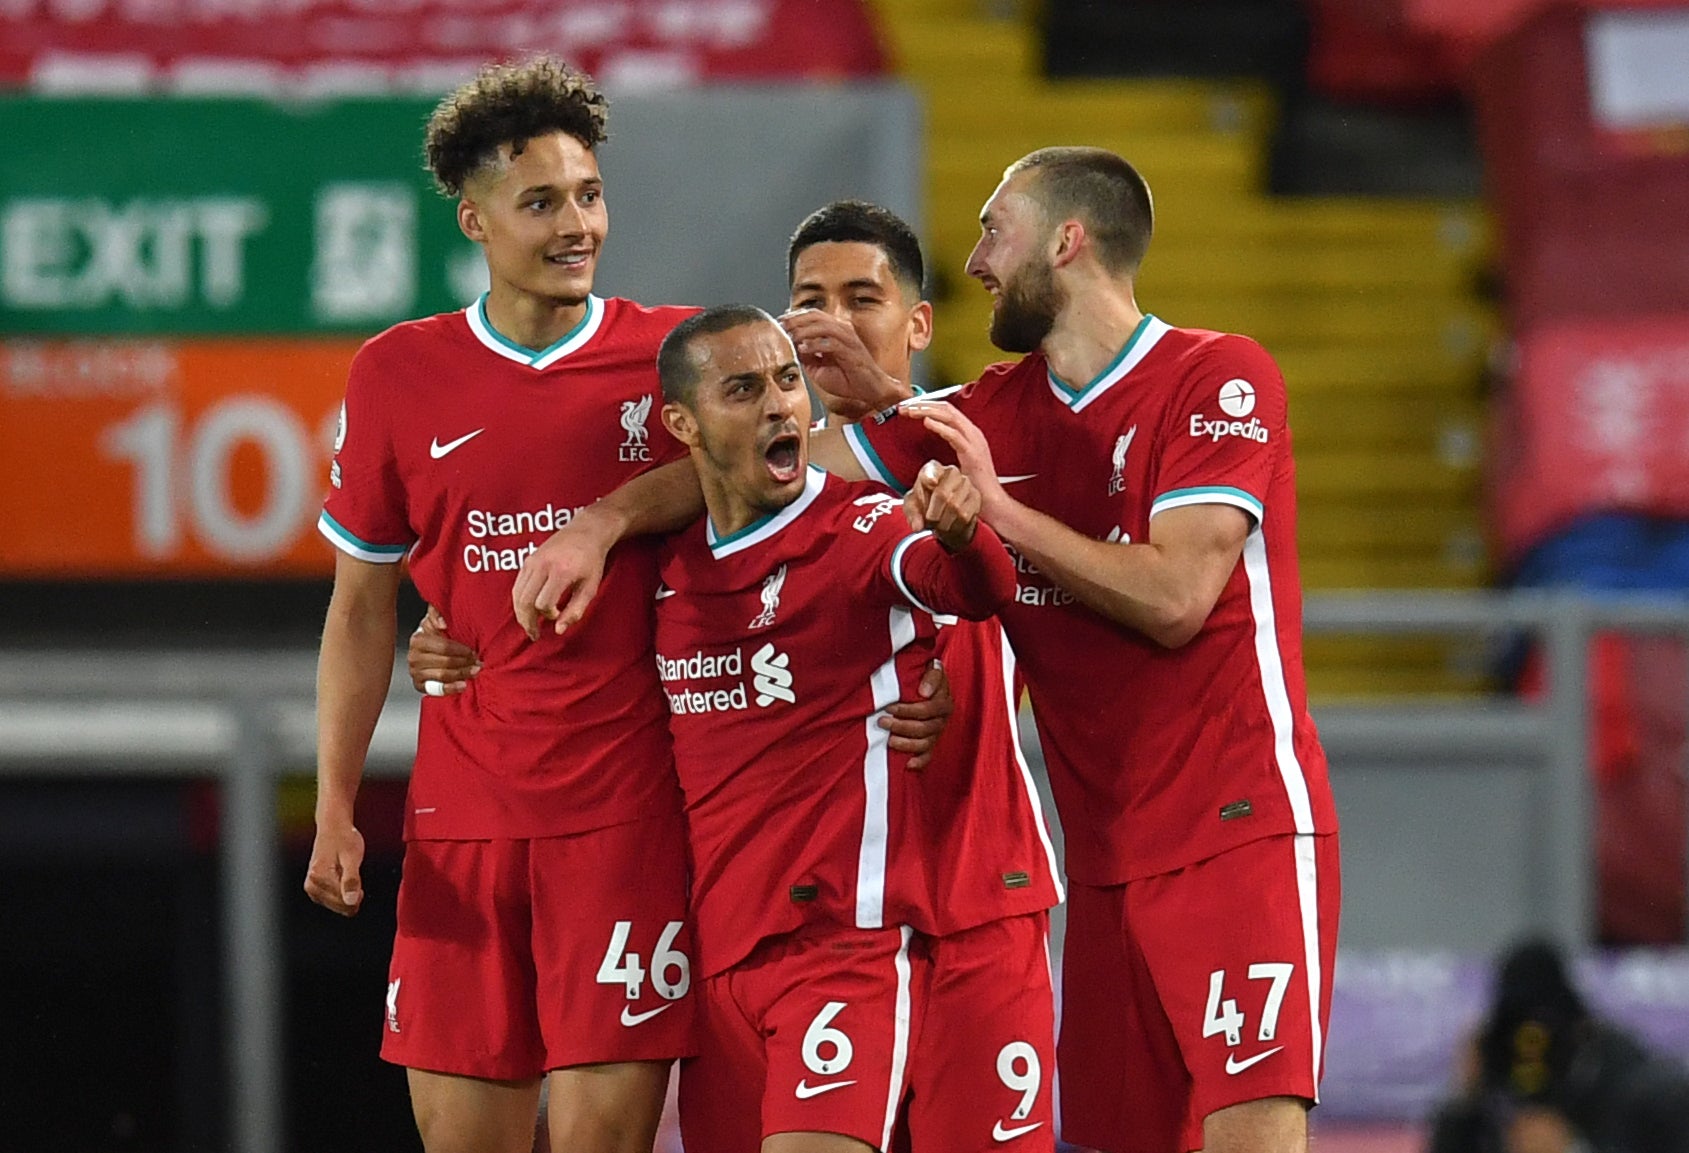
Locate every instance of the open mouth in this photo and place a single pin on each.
(573, 261)
(782, 458)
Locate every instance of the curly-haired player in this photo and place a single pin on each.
(541, 918)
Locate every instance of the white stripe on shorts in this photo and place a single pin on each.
(1307, 897)
(900, 1036)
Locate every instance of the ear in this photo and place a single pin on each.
(920, 326)
(1069, 241)
(469, 221)
(681, 423)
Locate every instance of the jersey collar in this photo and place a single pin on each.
(760, 530)
(1149, 332)
(545, 357)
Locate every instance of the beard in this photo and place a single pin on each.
(1027, 309)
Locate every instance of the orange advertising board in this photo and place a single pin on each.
(167, 458)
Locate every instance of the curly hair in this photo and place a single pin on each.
(510, 104)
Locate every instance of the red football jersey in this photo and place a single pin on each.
(462, 452)
(974, 809)
(779, 647)
(1158, 758)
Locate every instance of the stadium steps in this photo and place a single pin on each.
(1368, 304)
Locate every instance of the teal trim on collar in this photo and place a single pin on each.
(1125, 351)
(766, 526)
(716, 540)
(593, 306)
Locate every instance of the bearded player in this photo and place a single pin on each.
(789, 618)
(1142, 475)
(1158, 616)
(541, 915)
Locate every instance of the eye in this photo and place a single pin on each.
(807, 302)
(538, 204)
(591, 196)
(865, 302)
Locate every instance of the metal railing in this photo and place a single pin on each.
(247, 718)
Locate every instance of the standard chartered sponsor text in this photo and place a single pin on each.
(490, 525)
(702, 666)
(773, 680)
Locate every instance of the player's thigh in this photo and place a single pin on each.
(610, 1108)
(1123, 1082)
(470, 1115)
(985, 1061)
(838, 1011)
(611, 945)
(1241, 947)
(721, 1087)
(460, 987)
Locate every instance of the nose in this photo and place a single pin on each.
(571, 220)
(975, 266)
(779, 403)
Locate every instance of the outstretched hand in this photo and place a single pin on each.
(944, 501)
(559, 578)
(973, 452)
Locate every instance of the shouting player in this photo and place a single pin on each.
(1142, 476)
(980, 869)
(789, 617)
(545, 844)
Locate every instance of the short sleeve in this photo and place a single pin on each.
(1226, 431)
(365, 514)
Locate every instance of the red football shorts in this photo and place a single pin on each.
(809, 1034)
(516, 957)
(1194, 990)
(985, 1058)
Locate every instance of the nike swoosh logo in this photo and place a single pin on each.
(631, 1019)
(998, 1133)
(663, 594)
(1234, 1066)
(437, 450)
(1016, 480)
(805, 1090)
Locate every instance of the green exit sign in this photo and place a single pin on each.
(206, 217)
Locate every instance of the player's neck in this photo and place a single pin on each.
(532, 321)
(1091, 331)
(729, 510)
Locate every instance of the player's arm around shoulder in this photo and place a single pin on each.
(354, 669)
(558, 579)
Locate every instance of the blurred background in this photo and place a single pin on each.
(1461, 226)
